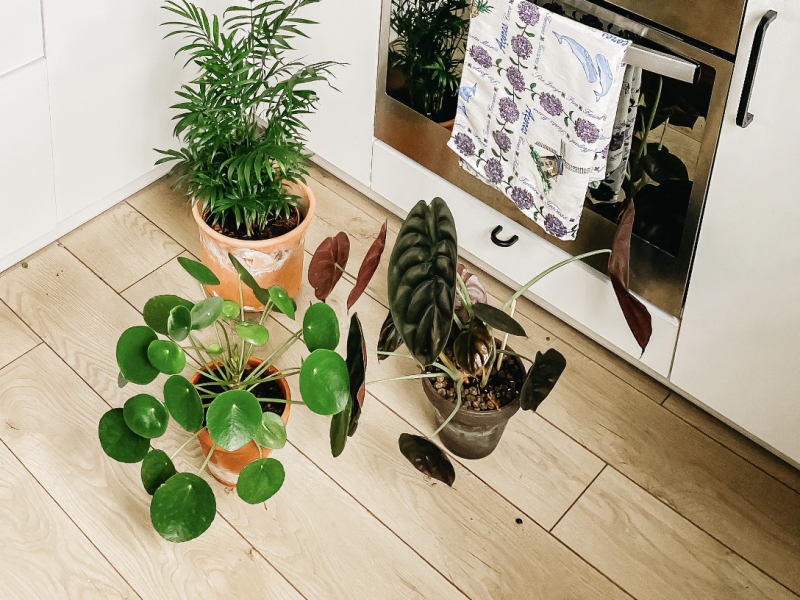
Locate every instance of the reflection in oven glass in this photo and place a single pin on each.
(426, 55)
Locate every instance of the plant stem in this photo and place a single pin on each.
(459, 385)
(414, 376)
(381, 352)
(505, 337)
(196, 433)
(208, 458)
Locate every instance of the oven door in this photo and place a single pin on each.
(695, 87)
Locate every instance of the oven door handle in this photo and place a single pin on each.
(744, 117)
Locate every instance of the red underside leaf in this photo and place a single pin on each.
(636, 314)
(323, 272)
(368, 267)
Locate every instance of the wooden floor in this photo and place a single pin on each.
(614, 489)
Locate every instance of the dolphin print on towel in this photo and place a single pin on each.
(467, 92)
(603, 68)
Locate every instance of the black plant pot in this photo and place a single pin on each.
(471, 433)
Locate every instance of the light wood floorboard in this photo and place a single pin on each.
(17, 338)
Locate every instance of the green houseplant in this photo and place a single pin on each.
(240, 121)
(231, 398)
(428, 53)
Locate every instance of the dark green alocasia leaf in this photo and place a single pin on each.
(199, 271)
(541, 378)
(233, 418)
(328, 264)
(357, 369)
(183, 507)
(183, 402)
(260, 480)
(260, 293)
(473, 347)
(166, 356)
(320, 327)
(389, 339)
(230, 310)
(661, 165)
(324, 382)
(117, 439)
(282, 301)
(252, 333)
(340, 428)
(494, 317)
(156, 469)
(179, 323)
(132, 355)
(205, 312)
(272, 433)
(157, 310)
(422, 279)
(146, 416)
(427, 458)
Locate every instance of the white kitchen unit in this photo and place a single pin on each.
(20, 34)
(738, 350)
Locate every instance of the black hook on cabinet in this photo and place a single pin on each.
(503, 243)
(743, 116)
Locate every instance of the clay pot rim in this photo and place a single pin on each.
(254, 361)
(279, 241)
(512, 406)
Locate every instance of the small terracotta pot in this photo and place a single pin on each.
(471, 433)
(278, 261)
(225, 466)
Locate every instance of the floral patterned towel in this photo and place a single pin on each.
(536, 110)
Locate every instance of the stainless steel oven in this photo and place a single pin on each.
(691, 46)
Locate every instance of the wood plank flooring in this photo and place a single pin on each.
(614, 489)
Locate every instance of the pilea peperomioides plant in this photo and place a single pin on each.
(237, 403)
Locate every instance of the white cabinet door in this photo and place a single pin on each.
(738, 350)
(27, 200)
(342, 129)
(20, 33)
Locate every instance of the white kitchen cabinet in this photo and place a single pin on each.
(738, 349)
(27, 199)
(341, 131)
(20, 34)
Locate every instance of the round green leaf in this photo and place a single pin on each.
(132, 355)
(157, 467)
(146, 416)
(214, 349)
(320, 327)
(156, 311)
(117, 439)
(282, 301)
(179, 323)
(252, 332)
(183, 507)
(324, 382)
(166, 356)
(199, 271)
(260, 480)
(233, 418)
(230, 310)
(183, 402)
(272, 433)
(205, 312)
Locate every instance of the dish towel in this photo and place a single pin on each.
(537, 103)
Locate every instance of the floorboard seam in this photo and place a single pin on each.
(160, 229)
(578, 498)
(150, 273)
(61, 508)
(11, 362)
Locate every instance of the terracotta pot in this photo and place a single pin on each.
(278, 261)
(225, 466)
(471, 433)
(448, 124)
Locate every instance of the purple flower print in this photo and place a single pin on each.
(502, 140)
(521, 46)
(515, 78)
(616, 140)
(551, 104)
(465, 145)
(587, 131)
(480, 56)
(528, 13)
(493, 170)
(522, 198)
(605, 151)
(554, 227)
(509, 110)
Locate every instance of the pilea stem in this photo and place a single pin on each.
(182, 446)
(208, 458)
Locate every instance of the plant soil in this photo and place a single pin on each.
(268, 389)
(276, 227)
(501, 389)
